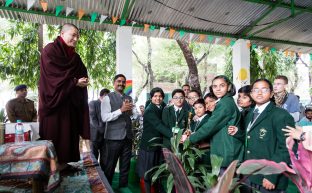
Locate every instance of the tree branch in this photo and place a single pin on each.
(138, 59)
(305, 64)
(205, 55)
(141, 88)
(144, 66)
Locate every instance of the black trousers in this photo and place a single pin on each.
(114, 150)
(98, 149)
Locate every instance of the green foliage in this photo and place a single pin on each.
(169, 65)
(270, 64)
(255, 69)
(2, 115)
(19, 55)
(201, 176)
(228, 68)
(171, 57)
(98, 52)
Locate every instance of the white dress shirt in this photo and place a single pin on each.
(106, 109)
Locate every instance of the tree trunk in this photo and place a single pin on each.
(295, 84)
(193, 78)
(205, 74)
(310, 77)
(151, 77)
(147, 69)
(40, 47)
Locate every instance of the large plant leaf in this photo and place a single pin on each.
(216, 164)
(156, 144)
(170, 183)
(181, 182)
(191, 161)
(198, 152)
(210, 180)
(162, 168)
(302, 164)
(225, 180)
(264, 167)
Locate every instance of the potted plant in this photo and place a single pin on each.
(200, 176)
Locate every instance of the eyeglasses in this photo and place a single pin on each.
(193, 98)
(262, 90)
(176, 98)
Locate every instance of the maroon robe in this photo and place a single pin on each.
(63, 106)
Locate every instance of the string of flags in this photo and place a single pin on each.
(94, 16)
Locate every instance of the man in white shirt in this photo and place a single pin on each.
(116, 109)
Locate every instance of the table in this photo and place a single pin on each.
(36, 160)
(31, 131)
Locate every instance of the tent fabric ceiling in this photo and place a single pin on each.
(222, 18)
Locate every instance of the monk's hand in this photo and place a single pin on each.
(267, 184)
(232, 130)
(126, 106)
(294, 133)
(82, 82)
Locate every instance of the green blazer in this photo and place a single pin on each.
(215, 129)
(153, 127)
(195, 126)
(169, 119)
(266, 140)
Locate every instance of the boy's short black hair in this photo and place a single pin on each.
(197, 92)
(186, 85)
(178, 90)
(104, 91)
(210, 95)
(119, 75)
(199, 101)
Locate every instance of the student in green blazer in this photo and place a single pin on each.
(264, 136)
(216, 128)
(209, 105)
(192, 96)
(246, 103)
(175, 116)
(210, 102)
(201, 113)
(154, 131)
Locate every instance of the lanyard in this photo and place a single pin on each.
(176, 116)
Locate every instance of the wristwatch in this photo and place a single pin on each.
(302, 136)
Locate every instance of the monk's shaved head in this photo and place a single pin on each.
(68, 26)
(70, 34)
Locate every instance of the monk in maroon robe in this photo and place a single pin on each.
(63, 102)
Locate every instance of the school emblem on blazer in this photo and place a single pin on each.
(263, 132)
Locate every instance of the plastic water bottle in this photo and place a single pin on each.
(19, 132)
